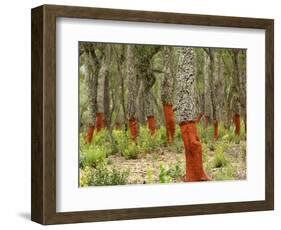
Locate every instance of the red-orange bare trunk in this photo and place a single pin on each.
(151, 124)
(216, 130)
(133, 125)
(169, 122)
(193, 152)
(236, 120)
(99, 121)
(89, 134)
(206, 121)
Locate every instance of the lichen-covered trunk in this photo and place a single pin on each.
(91, 80)
(217, 88)
(186, 115)
(207, 91)
(243, 85)
(167, 95)
(236, 91)
(120, 60)
(148, 102)
(117, 102)
(100, 98)
(106, 98)
(132, 93)
(103, 92)
(146, 81)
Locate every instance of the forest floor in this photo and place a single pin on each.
(149, 164)
(150, 160)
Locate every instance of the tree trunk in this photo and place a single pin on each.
(91, 79)
(167, 95)
(100, 97)
(207, 90)
(186, 115)
(236, 93)
(243, 84)
(120, 108)
(148, 99)
(132, 94)
(216, 86)
(106, 98)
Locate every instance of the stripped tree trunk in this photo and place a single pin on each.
(148, 99)
(207, 91)
(217, 88)
(198, 86)
(214, 83)
(227, 111)
(186, 115)
(91, 79)
(146, 79)
(219, 84)
(242, 85)
(132, 94)
(167, 95)
(235, 91)
(120, 108)
(100, 96)
(106, 93)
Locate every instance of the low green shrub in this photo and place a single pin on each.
(164, 176)
(160, 137)
(168, 174)
(146, 141)
(121, 139)
(131, 151)
(219, 159)
(226, 173)
(104, 176)
(176, 171)
(149, 176)
(100, 138)
(92, 155)
(211, 146)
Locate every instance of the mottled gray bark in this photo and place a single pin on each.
(106, 93)
(219, 87)
(217, 84)
(101, 82)
(148, 96)
(132, 83)
(236, 82)
(91, 79)
(120, 107)
(167, 88)
(185, 98)
(146, 80)
(243, 84)
(207, 91)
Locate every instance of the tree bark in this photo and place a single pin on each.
(120, 108)
(186, 115)
(106, 98)
(132, 94)
(92, 67)
(167, 95)
(207, 91)
(147, 79)
(235, 90)
(243, 85)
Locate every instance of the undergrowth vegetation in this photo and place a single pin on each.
(97, 167)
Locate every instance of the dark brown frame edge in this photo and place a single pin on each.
(43, 157)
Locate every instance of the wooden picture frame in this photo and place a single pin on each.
(43, 189)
